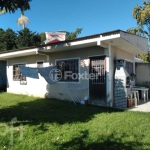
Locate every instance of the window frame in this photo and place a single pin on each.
(66, 59)
(20, 78)
(38, 62)
(129, 61)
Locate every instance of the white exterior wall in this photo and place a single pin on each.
(59, 90)
(39, 87)
(143, 74)
(34, 87)
(109, 72)
(112, 53)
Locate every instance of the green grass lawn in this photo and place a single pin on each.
(50, 124)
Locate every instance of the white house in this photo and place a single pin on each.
(91, 54)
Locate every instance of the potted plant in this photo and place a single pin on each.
(129, 101)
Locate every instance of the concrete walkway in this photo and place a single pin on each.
(143, 107)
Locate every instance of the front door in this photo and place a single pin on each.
(97, 85)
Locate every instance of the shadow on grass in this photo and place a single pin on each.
(103, 142)
(50, 110)
(42, 111)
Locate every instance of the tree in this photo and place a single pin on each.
(138, 31)
(22, 21)
(3, 11)
(10, 39)
(142, 16)
(73, 35)
(12, 5)
(23, 5)
(27, 38)
(2, 40)
(7, 40)
(43, 36)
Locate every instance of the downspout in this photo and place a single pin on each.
(110, 89)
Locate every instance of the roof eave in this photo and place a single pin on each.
(139, 44)
(13, 54)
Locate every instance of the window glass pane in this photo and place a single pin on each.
(17, 76)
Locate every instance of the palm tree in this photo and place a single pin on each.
(3, 11)
(23, 19)
(12, 5)
(15, 4)
(8, 5)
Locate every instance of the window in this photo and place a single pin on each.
(69, 70)
(17, 76)
(40, 64)
(129, 68)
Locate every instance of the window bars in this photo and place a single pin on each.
(98, 71)
(72, 67)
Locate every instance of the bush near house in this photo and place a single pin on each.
(57, 125)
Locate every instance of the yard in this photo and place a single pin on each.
(50, 124)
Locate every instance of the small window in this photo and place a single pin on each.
(129, 68)
(40, 64)
(17, 76)
(68, 66)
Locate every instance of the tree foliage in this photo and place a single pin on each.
(22, 5)
(10, 39)
(73, 35)
(2, 40)
(23, 19)
(138, 31)
(27, 38)
(142, 16)
(43, 36)
(7, 39)
(12, 5)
